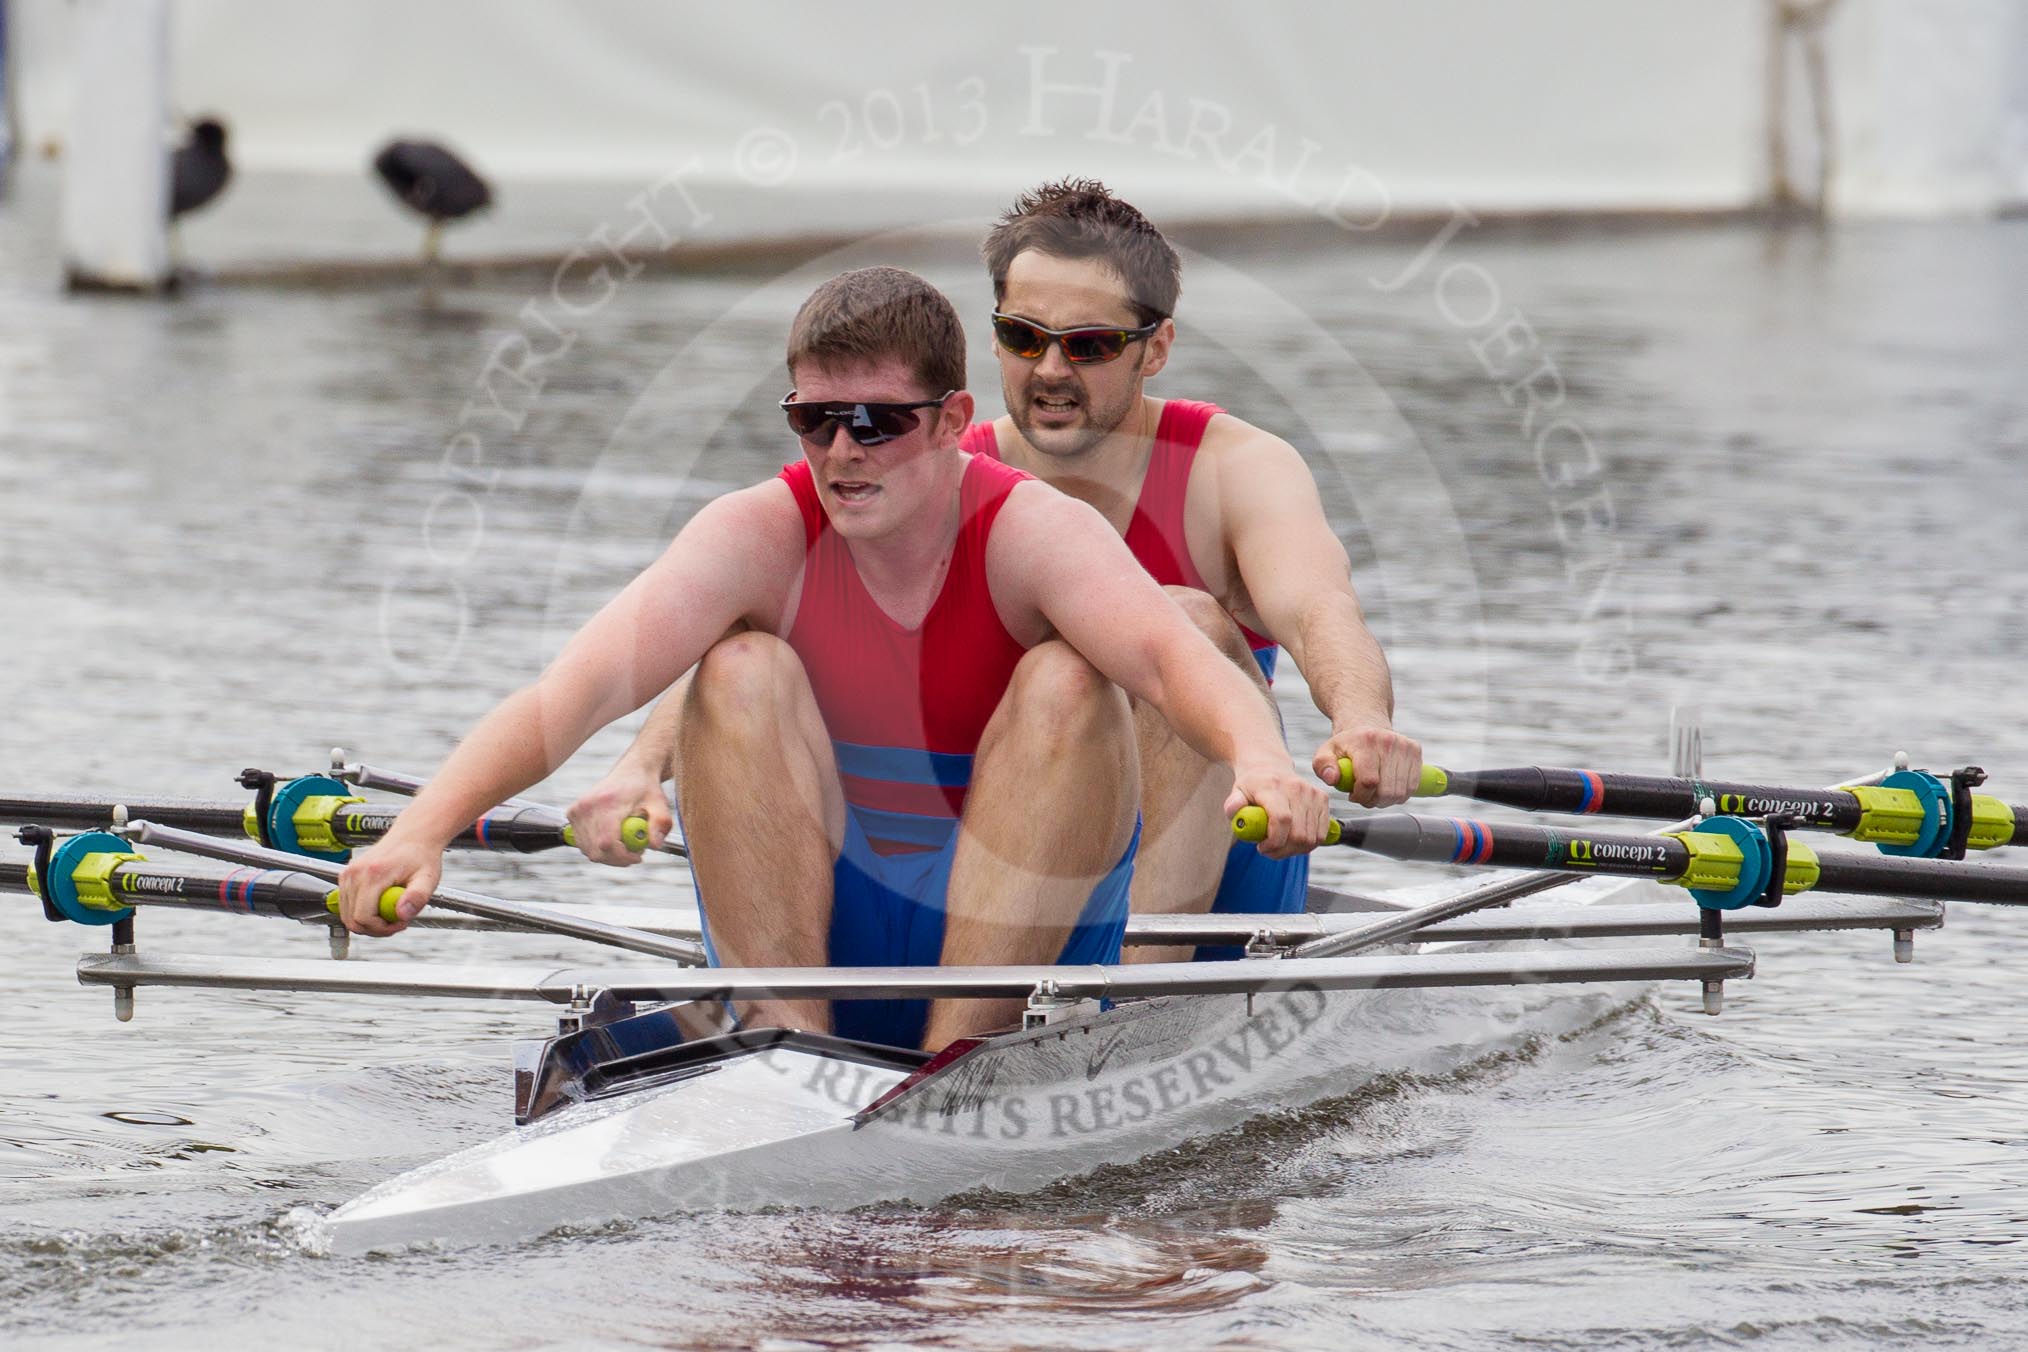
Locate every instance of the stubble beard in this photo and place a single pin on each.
(1071, 442)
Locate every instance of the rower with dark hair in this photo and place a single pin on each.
(1223, 514)
(907, 737)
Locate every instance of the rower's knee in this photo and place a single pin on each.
(1209, 615)
(1054, 689)
(745, 678)
(1201, 606)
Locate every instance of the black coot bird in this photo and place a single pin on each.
(198, 172)
(432, 181)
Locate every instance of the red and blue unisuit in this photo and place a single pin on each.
(905, 709)
(1251, 883)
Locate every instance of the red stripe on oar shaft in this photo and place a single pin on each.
(1594, 791)
(235, 890)
(1474, 840)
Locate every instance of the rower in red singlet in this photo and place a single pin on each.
(905, 708)
(1248, 882)
(1155, 533)
(1223, 514)
(907, 736)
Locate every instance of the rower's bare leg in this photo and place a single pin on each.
(764, 815)
(1184, 833)
(665, 724)
(1049, 812)
(657, 742)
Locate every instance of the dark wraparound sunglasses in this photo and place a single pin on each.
(1083, 347)
(867, 424)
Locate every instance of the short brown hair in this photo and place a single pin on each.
(874, 314)
(1080, 218)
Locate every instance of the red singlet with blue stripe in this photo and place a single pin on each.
(1155, 533)
(905, 707)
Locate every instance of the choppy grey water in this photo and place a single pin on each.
(235, 533)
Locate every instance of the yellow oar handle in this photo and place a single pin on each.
(1250, 823)
(633, 834)
(389, 901)
(1434, 783)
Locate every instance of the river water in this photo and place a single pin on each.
(1778, 480)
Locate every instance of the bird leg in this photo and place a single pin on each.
(433, 238)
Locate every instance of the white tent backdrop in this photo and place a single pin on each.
(1356, 107)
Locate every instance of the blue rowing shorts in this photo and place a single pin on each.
(888, 911)
(1254, 884)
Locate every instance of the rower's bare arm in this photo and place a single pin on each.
(1056, 566)
(634, 787)
(732, 562)
(1296, 573)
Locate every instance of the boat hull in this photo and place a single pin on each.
(800, 1125)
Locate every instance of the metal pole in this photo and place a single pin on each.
(116, 162)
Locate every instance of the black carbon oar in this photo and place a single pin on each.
(633, 831)
(286, 893)
(70, 812)
(546, 918)
(326, 823)
(1906, 812)
(1715, 859)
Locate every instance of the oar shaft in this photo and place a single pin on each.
(1670, 858)
(524, 828)
(450, 898)
(1541, 789)
(71, 813)
(1883, 815)
(633, 831)
(1929, 879)
(1389, 929)
(1448, 840)
(288, 893)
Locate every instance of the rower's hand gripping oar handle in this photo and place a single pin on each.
(1250, 823)
(390, 903)
(633, 834)
(1434, 783)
